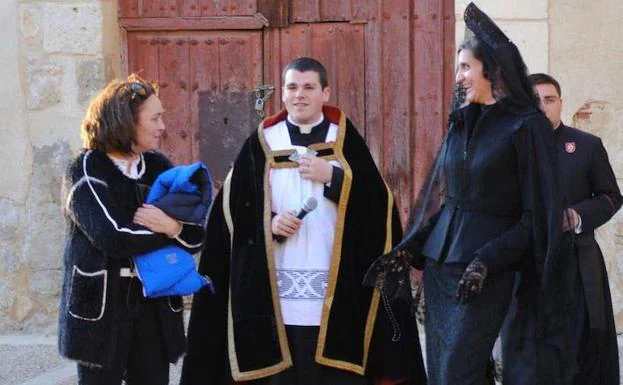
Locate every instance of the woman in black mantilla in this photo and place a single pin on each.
(501, 213)
(106, 324)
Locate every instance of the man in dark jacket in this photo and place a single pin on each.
(592, 198)
(289, 306)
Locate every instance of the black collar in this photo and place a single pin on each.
(318, 134)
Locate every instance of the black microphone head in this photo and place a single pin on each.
(310, 204)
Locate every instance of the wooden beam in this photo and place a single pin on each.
(211, 23)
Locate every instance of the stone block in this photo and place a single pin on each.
(46, 284)
(23, 308)
(7, 301)
(72, 28)
(30, 24)
(10, 236)
(7, 296)
(531, 37)
(49, 127)
(43, 321)
(586, 50)
(91, 77)
(599, 117)
(44, 223)
(506, 9)
(45, 81)
(15, 158)
(13, 133)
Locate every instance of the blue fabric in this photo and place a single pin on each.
(169, 271)
(184, 193)
(175, 180)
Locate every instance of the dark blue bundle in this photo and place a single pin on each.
(183, 193)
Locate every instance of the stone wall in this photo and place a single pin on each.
(525, 22)
(56, 55)
(581, 44)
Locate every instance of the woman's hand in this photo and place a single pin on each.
(391, 274)
(156, 220)
(472, 281)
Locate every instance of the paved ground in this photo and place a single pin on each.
(34, 360)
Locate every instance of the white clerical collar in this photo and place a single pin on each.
(306, 128)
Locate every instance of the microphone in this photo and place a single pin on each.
(309, 205)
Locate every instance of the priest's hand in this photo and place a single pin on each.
(315, 169)
(472, 281)
(156, 220)
(285, 224)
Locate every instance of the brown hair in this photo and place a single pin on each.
(110, 121)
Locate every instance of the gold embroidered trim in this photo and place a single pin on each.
(322, 146)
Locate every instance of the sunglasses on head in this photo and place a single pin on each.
(139, 88)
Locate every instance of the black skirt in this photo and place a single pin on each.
(460, 337)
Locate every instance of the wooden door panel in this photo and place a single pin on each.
(335, 10)
(194, 8)
(339, 46)
(313, 11)
(128, 8)
(224, 100)
(158, 8)
(242, 7)
(186, 8)
(203, 66)
(175, 95)
(143, 54)
(432, 85)
(304, 11)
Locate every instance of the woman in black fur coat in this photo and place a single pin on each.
(106, 324)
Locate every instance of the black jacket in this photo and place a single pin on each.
(500, 187)
(589, 183)
(99, 202)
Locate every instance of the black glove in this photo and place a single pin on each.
(390, 273)
(472, 280)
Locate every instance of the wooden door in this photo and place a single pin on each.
(390, 65)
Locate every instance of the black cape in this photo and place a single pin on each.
(239, 333)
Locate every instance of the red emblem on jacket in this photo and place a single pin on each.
(570, 147)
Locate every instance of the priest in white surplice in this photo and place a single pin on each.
(289, 290)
